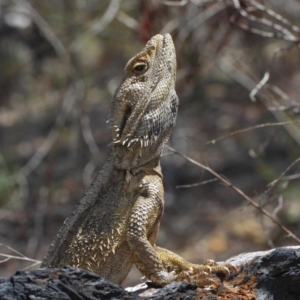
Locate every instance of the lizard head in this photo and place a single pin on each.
(144, 107)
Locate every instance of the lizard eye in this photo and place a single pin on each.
(140, 68)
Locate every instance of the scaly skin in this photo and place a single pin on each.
(116, 222)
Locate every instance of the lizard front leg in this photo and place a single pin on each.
(186, 271)
(160, 265)
(142, 231)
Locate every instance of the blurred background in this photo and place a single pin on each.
(238, 79)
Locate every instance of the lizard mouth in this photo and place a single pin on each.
(127, 113)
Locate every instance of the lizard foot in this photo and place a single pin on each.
(201, 274)
(225, 270)
(201, 278)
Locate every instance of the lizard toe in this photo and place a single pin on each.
(201, 278)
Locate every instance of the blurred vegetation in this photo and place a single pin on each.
(60, 62)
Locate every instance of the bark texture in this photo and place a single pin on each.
(269, 275)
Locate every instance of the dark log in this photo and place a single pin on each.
(269, 275)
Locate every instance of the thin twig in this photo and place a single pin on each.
(19, 255)
(196, 184)
(48, 33)
(251, 128)
(275, 16)
(127, 20)
(259, 86)
(277, 29)
(266, 234)
(19, 258)
(198, 20)
(238, 191)
(98, 26)
(282, 95)
(173, 3)
(32, 265)
(75, 90)
(87, 173)
(274, 182)
(278, 208)
(12, 249)
(4, 260)
(38, 221)
(291, 177)
(46, 146)
(93, 147)
(88, 135)
(237, 74)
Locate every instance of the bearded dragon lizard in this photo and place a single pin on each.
(117, 220)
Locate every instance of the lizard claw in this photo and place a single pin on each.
(202, 274)
(223, 269)
(201, 278)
